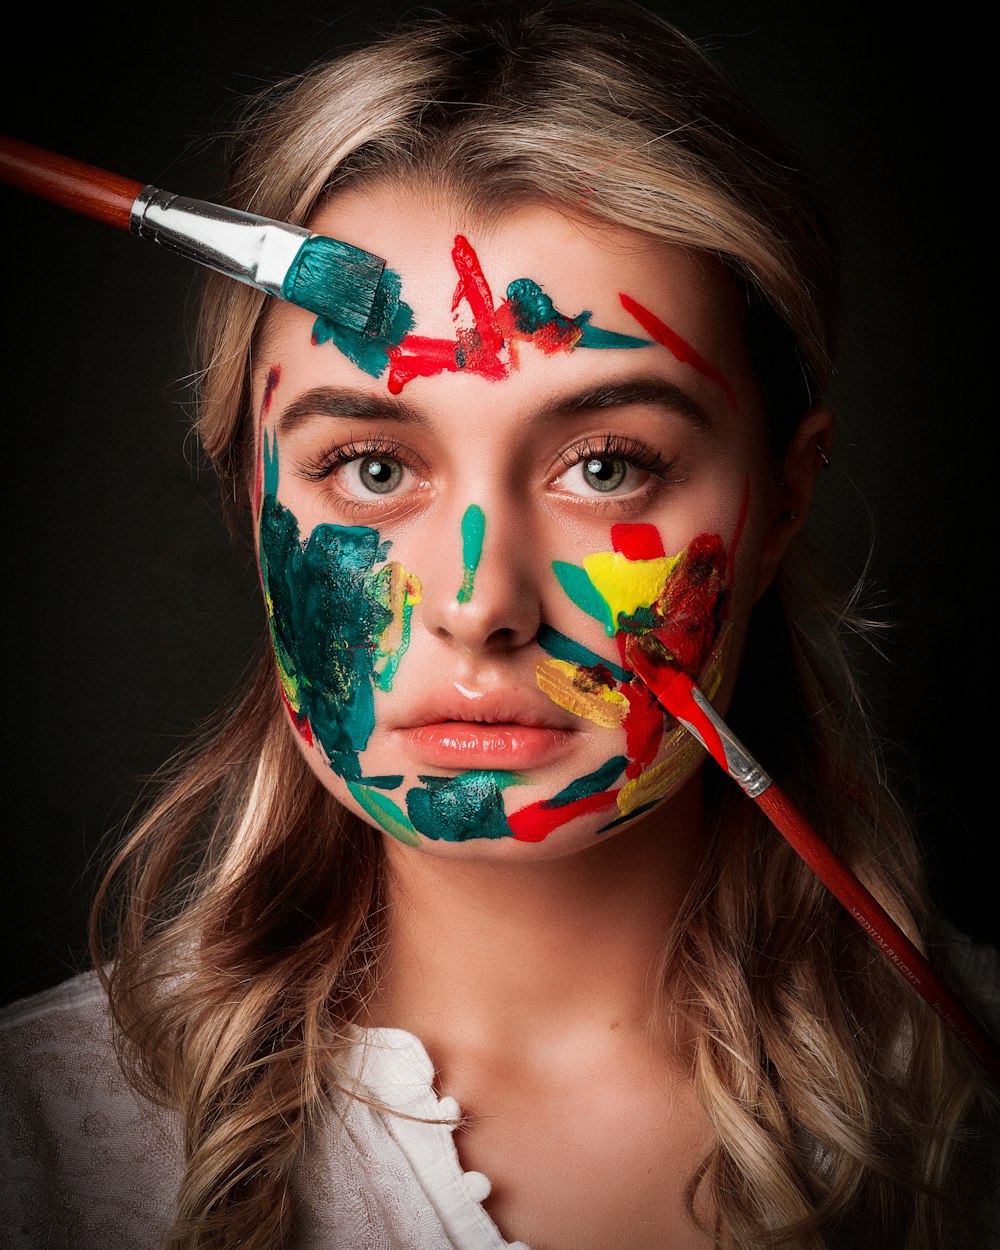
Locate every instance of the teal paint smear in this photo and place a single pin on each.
(533, 310)
(391, 319)
(328, 606)
(473, 532)
(456, 809)
(601, 779)
(562, 648)
(391, 817)
(584, 594)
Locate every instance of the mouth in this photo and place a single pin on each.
(486, 744)
(499, 730)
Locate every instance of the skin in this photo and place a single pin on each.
(524, 966)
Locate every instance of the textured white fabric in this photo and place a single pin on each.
(89, 1165)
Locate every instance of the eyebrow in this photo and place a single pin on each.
(342, 402)
(345, 404)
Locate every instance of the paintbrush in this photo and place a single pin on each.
(323, 276)
(653, 663)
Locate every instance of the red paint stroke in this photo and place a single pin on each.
(273, 377)
(642, 722)
(301, 723)
(477, 349)
(536, 821)
(637, 542)
(680, 348)
(691, 601)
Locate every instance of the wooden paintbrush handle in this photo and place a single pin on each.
(83, 188)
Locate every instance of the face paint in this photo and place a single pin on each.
(473, 532)
(634, 588)
(339, 624)
(455, 809)
(488, 347)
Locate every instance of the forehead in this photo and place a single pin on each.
(587, 273)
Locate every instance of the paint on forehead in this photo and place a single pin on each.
(390, 320)
(473, 533)
(680, 348)
(339, 616)
(488, 346)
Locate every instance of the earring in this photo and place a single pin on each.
(823, 456)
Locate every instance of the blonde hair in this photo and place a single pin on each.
(250, 924)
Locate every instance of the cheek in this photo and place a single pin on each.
(339, 615)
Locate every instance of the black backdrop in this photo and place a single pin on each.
(129, 612)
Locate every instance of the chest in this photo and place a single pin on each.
(588, 1165)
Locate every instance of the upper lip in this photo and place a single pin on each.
(493, 707)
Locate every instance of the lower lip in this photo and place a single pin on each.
(466, 744)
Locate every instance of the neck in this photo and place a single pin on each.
(489, 951)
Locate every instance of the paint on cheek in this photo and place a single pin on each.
(562, 648)
(584, 691)
(339, 624)
(473, 532)
(455, 809)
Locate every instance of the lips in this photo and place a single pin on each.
(502, 729)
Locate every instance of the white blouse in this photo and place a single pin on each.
(88, 1164)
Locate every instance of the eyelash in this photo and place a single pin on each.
(320, 469)
(635, 453)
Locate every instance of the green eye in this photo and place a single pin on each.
(604, 473)
(379, 474)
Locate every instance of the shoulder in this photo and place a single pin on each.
(87, 1161)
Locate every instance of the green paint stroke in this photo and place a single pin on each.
(601, 779)
(534, 312)
(330, 609)
(455, 809)
(577, 584)
(388, 814)
(473, 532)
(391, 319)
(562, 648)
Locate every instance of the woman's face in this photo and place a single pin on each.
(554, 440)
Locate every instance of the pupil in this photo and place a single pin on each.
(605, 472)
(380, 476)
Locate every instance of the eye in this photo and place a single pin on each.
(375, 475)
(604, 473)
(617, 467)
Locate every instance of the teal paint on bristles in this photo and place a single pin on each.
(332, 279)
(335, 281)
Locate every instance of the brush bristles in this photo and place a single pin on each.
(335, 281)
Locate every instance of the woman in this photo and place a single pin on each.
(446, 937)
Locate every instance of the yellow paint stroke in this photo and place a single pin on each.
(658, 781)
(627, 585)
(578, 691)
(403, 593)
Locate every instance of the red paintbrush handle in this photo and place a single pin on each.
(83, 188)
(878, 924)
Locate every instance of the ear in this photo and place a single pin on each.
(808, 454)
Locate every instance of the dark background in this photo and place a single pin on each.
(129, 612)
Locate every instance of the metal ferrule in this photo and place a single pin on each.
(251, 249)
(740, 764)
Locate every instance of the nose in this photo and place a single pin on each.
(481, 592)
